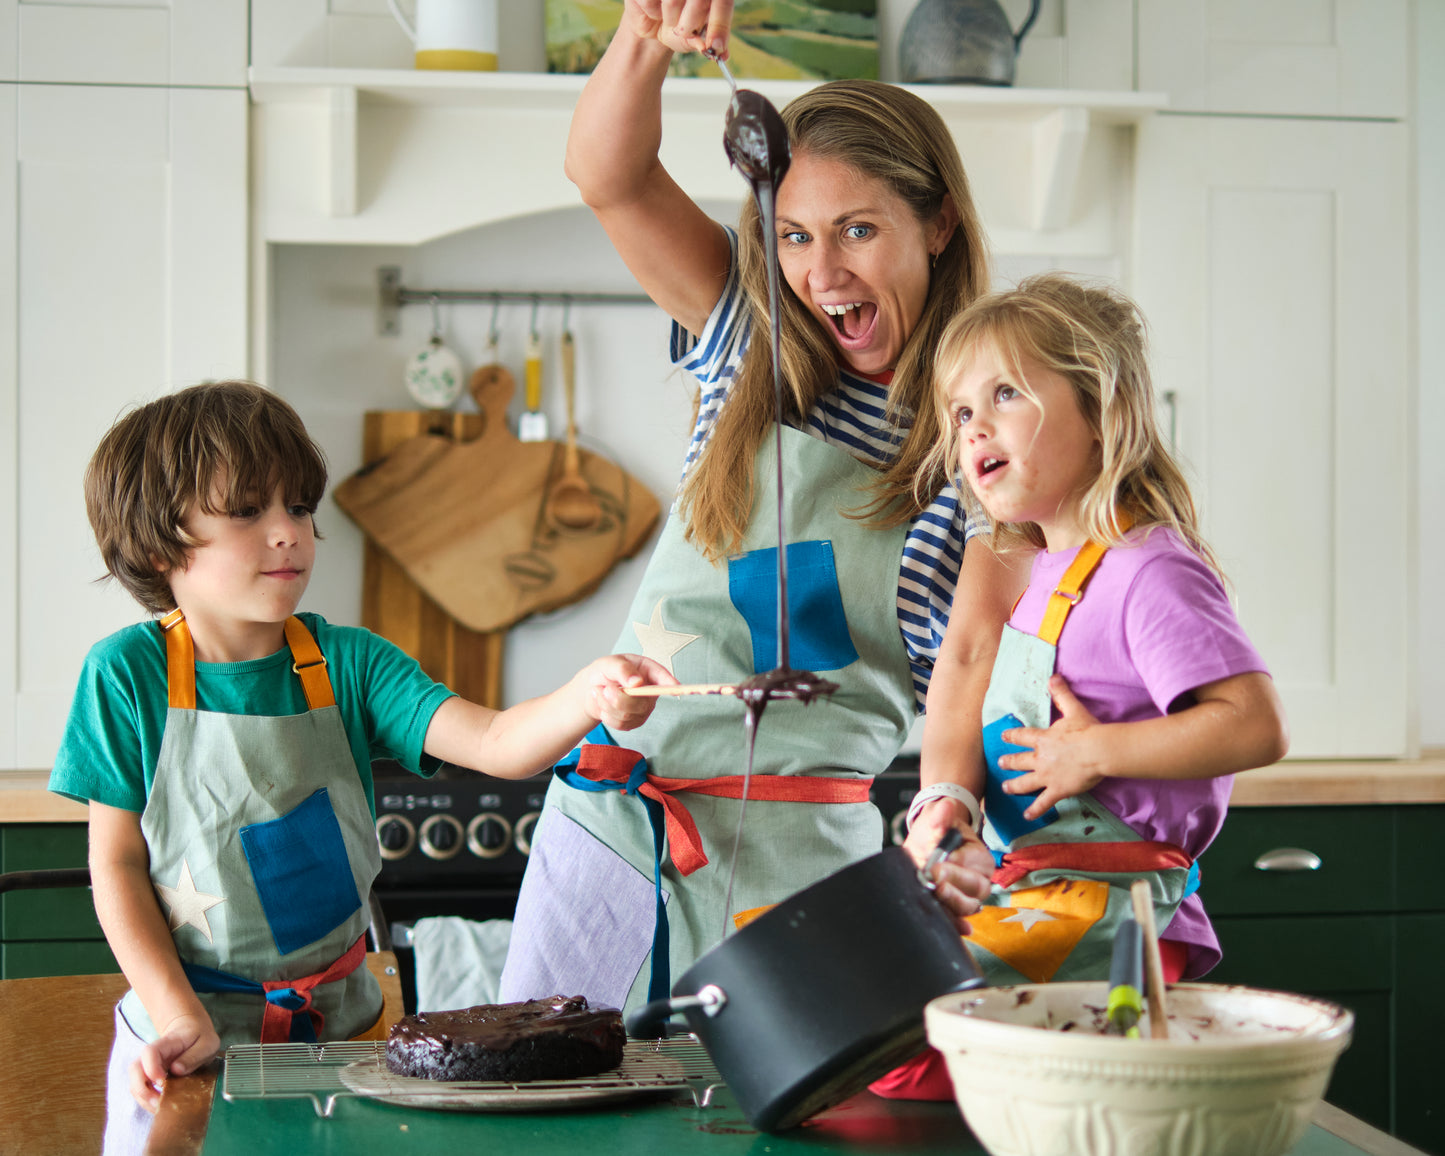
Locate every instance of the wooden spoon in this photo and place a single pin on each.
(572, 504)
(1153, 961)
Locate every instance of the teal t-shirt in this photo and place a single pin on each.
(113, 736)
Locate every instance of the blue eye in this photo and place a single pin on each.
(796, 237)
(1006, 393)
(859, 232)
(961, 416)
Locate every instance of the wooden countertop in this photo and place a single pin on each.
(24, 799)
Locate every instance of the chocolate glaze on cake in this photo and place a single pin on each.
(541, 1039)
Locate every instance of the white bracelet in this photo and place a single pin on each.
(945, 791)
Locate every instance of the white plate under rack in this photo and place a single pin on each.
(323, 1073)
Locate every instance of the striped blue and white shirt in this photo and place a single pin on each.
(853, 417)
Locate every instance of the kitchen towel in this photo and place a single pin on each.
(458, 961)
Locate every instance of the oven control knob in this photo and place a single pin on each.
(396, 835)
(489, 835)
(441, 837)
(524, 831)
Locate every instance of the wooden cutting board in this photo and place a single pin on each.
(467, 521)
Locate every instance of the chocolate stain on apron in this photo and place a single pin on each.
(1062, 884)
(591, 899)
(262, 851)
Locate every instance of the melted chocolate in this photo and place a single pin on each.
(498, 1027)
(755, 139)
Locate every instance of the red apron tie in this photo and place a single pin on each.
(604, 763)
(276, 1023)
(1102, 858)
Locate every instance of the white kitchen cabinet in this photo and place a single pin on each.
(166, 42)
(125, 276)
(1337, 58)
(1271, 262)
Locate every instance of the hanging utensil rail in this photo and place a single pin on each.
(392, 295)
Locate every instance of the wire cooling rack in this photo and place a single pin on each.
(323, 1073)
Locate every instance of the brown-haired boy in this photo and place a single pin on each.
(225, 750)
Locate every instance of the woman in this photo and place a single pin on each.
(878, 248)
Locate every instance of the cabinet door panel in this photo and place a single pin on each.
(1271, 264)
(1292, 57)
(52, 913)
(156, 42)
(132, 258)
(1232, 884)
(73, 957)
(1346, 961)
(1420, 1026)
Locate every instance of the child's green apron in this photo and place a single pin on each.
(262, 853)
(1062, 886)
(593, 896)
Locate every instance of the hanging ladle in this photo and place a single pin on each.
(572, 504)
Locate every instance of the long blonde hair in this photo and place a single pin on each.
(1094, 337)
(891, 135)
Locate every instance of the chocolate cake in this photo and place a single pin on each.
(541, 1039)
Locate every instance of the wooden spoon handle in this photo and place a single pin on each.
(682, 688)
(1153, 961)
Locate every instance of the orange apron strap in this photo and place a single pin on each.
(1071, 585)
(180, 661)
(309, 664)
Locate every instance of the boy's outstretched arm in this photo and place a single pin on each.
(1235, 724)
(135, 929)
(528, 738)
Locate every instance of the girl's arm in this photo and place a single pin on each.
(1234, 725)
(679, 255)
(135, 929)
(527, 738)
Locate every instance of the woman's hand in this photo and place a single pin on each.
(606, 699)
(682, 25)
(187, 1042)
(962, 881)
(1064, 760)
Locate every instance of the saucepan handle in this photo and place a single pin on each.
(647, 1021)
(952, 840)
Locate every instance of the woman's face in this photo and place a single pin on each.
(856, 256)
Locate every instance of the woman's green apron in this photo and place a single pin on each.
(593, 897)
(1062, 885)
(262, 852)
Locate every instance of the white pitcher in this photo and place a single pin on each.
(452, 34)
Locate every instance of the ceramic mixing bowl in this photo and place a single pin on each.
(1239, 1075)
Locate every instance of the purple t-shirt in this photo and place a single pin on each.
(1154, 623)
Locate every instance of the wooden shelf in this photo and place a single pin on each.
(400, 156)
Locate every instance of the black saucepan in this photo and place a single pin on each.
(818, 997)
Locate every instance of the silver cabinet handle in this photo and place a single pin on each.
(1288, 859)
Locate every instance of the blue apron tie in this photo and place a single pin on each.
(659, 979)
(209, 980)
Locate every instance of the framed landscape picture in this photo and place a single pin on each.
(779, 40)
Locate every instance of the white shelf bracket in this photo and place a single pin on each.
(342, 148)
(1059, 138)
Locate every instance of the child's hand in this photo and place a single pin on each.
(609, 703)
(1062, 762)
(187, 1042)
(962, 880)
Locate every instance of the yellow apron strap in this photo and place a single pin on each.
(1071, 586)
(180, 661)
(307, 661)
(310, 664)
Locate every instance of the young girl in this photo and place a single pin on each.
(1124, 694)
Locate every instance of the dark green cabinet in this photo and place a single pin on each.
(52, 931)
(1365, 928)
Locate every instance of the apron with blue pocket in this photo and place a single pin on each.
(262, 854)
(1061, 887)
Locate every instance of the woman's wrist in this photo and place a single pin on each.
(946, 790)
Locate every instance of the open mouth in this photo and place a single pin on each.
(852, 320)
(983, 467)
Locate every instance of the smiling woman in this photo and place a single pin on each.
(877, 249)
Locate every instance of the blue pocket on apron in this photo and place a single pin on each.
(1005, 811)
(818, 637)
(302, 873)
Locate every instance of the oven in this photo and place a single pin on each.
(457, 843)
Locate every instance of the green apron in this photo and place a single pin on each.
(1062, 887)
(262, 852)
(587, 909)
